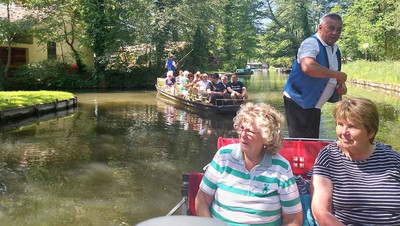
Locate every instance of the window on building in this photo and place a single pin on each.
(51, 50)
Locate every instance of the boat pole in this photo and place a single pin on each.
(180, 60)
(185, 56)
(177, 63)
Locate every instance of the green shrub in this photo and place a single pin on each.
(47, 75)
(134, 78)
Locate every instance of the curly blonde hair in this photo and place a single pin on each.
(269, 123)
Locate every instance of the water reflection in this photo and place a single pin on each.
(119, 157)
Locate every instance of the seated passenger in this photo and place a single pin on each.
(179, 77)
(237, 89)
(197, 76)
(202, 84)
(249, 183)
(224, 81)
(170, 82)
(189, 83)
(183, 79)
(215, 90)
(356, 180)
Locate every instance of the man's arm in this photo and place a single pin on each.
(310, 67)
(244, 90)
(321, 205)
(203, 202)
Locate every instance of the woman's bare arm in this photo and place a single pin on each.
(203, 202)
(321, 204)
(293, 219)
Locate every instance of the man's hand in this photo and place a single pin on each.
(341, 77)
(341, 88)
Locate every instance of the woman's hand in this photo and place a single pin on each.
(321, 204)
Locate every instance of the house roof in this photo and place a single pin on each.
(141, 48)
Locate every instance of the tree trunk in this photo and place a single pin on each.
(78, 58)
(99, 42)
(7, 68)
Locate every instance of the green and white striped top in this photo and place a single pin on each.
(252, 198)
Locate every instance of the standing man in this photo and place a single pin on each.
(171, 65)
(315, 79)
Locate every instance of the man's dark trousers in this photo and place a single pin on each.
(302, 123)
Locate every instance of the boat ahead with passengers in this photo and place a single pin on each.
(196, 100)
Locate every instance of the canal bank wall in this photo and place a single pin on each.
(37, 109)
(381, 87)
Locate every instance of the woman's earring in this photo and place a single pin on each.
(265, 146)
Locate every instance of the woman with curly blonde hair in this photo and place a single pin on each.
(248, 182)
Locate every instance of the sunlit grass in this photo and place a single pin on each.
(17, 99)
(386, 72)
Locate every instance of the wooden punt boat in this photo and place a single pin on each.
(199, 103)
(244, 71)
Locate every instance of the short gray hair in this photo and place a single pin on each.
(333, 16)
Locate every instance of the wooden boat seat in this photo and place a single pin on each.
(230, 101)
(194, 95)
(161, 82)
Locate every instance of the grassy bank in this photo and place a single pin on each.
(386, 72)
(26, 98)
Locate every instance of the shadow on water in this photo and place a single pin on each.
(119, 157)
(20, 123)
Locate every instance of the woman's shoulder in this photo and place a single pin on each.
(229, 149)
(330, 151)
(330, 148)
(278, 159)
(386, 149)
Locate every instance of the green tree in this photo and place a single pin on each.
(371, 30)
(61, 23)
(289, 23)
(10, 30)
(95, 17)
(237, 33)
(196, 61)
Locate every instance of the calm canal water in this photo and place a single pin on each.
(118, 159)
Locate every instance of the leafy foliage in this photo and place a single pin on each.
(136, 36)
(46, 75)
(371, 30)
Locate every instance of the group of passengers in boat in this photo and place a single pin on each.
(355, 180)
(215, 89)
